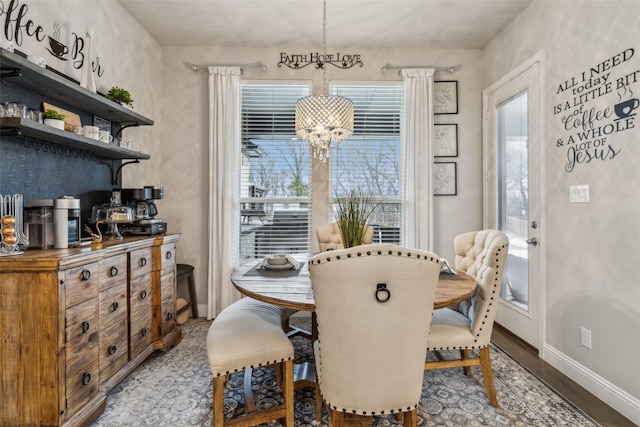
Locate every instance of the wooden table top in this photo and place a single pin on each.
(290, 290)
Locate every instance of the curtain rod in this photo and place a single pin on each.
(448, 69)
(258, 65)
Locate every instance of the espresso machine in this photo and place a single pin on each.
(141, 201)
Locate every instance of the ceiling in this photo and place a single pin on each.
(436, 24)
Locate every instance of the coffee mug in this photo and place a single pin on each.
(625, 108)
(39, 61)
(105, 136)
(91, 131)
(77, 130)
(7, 45)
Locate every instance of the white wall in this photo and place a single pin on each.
(591, 247)
(185, 133)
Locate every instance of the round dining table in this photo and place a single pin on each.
(291, 288)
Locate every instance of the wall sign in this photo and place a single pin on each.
(593, 107)
(338, 60)
(17, 26)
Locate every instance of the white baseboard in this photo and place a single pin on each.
(202, 310)
(609, 393)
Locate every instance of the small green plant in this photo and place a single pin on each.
(119, 95)
(52, 114)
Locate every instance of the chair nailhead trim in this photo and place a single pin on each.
(253, 366)
(372, 413)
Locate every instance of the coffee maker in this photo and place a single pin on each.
(141, 201)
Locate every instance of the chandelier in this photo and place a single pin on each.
(324, 120)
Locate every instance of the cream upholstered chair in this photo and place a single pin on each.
(245, 335)
(483, 255)
(329, 236)
(373, 306)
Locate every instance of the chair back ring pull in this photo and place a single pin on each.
(386, 295)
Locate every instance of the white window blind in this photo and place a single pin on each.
(275, 174)
(368, 162)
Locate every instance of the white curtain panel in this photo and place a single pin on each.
(417, 141)
(224, 191)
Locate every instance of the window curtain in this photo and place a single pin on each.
(416, 134)
(224, 204)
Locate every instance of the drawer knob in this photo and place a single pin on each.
(142, 262)
(85, 275)
(114, 306)
(85, 327)
(86, 378)
(143, 332)
(112, 350)
(169, 316)
(168, 255)
(114, 271)
(143, 294)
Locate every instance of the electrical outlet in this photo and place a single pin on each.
(585, 337)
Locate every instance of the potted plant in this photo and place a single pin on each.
(119, 95)
(54, 119)
(353, 212)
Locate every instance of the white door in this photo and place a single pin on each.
(513, 171)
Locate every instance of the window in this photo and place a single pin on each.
(276, 188)
(368, 162)
(275, 193)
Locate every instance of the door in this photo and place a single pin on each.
(513, 171)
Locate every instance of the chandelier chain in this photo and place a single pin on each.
(325, 88)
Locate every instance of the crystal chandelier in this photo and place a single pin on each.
(324, 119)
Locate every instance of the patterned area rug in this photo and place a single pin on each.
(175, 389)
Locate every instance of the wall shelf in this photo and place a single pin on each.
(50, 83)
(24, 127)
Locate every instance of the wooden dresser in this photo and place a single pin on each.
(75, 322)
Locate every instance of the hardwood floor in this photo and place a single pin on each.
(576, 394)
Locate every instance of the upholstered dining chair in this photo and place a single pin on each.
(373, 314)
(329, 236)
(468, 326)
(245, 335)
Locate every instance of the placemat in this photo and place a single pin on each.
(274, 273)
(450, 276)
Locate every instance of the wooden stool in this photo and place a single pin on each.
(186, 270)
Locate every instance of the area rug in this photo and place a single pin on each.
(174, 388)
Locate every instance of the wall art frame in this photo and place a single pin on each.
(445, 140)
(445, 97)
(445, 179)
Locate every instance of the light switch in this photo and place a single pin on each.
(579, 194)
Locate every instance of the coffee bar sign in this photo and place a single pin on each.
(594, 107)
(18, 25)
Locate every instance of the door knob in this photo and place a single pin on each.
(533, 241)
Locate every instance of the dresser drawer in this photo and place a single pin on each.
(168, 316)
(140, 262)
(140, 293)
(141, 330)
(168, 283)
(82, 386)
(81, 321)
(112, 271)
(167, 255)
(81, 283)
(81, 353)
(112, 305)
(114, 349)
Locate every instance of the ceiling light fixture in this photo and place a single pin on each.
(324, 119)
